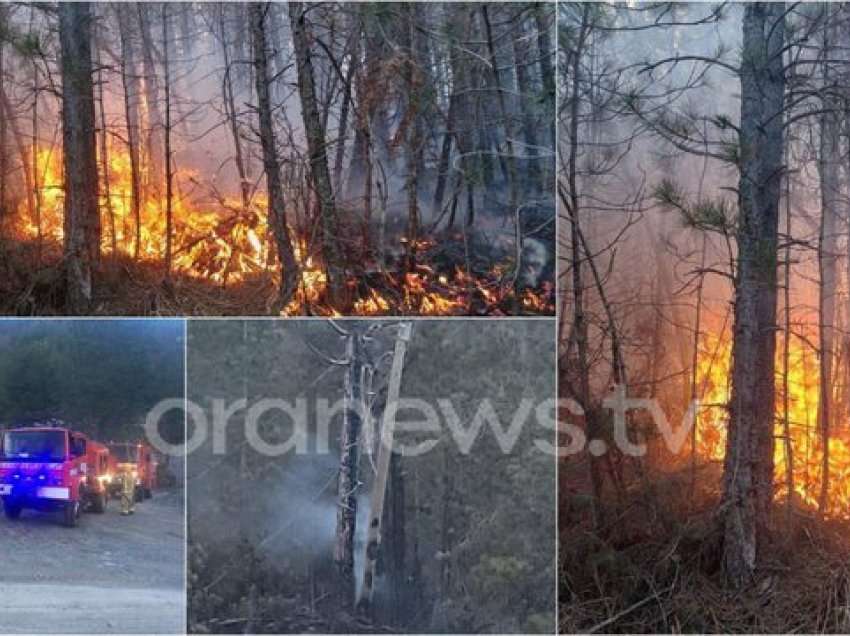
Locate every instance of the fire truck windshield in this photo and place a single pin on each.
(123, 453)
(41, 445)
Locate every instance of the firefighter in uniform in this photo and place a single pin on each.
(128, 493)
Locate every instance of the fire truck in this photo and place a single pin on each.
(137, 459)
(49, 468)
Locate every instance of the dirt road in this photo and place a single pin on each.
(111, 574)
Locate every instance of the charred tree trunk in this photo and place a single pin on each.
(374, 538)
(82, 223)
(349, 468)
(748, 466)
(277, 206)
(317, 150)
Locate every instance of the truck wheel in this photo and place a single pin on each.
(12, 511)
(98, 504)
(148, 493)
(139, 494)
(71, 514)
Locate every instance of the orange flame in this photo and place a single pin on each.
(215, 238)
(713, 378)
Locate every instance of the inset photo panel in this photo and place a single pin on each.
(704, 345)
(376, 476)
(277, 158)
(92, 535)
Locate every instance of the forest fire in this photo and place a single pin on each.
(713, 378)
(219, 240)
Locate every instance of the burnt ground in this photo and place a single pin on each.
(29, 287)
(110, 574)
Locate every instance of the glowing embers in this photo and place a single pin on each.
(713, 382)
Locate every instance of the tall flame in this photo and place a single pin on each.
(713, 382)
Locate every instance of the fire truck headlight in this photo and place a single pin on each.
(16, 476)
(42, 477)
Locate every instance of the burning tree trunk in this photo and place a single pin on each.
(277, 206)
(130, 84)
(830, 190)
(82, 223)
(748, 468)
(317, 150)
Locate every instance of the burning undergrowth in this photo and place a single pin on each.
(805, 437)
(223, 260)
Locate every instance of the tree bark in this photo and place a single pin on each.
(153, 173)
(385, 454)
(413, 80)
(104, 162)
(748, 466)
(317, 150)
(277, 206)
(230, 111)
(4, 169)
(522, 52)
(82, 223)
(130, 84)
(169, 173)
(349, 468)
(830, 191)
(543, 16)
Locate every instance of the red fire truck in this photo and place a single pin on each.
(138, 459)
(52, 469)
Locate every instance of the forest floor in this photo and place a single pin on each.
(233, 589)
(655, 567)
(111, 574)
(33, 285)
